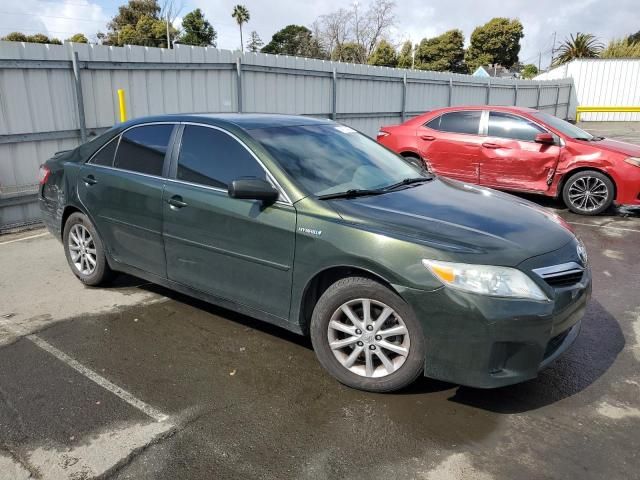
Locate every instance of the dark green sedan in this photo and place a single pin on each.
(312, 226)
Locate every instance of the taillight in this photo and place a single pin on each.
(43, 176)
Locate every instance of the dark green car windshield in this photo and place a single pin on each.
(331, 158)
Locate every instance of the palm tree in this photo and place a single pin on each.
(241, 14)
(583, 45)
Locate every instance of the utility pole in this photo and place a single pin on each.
(553, 48)
(539, 62)
(413, 57)
(168, 38)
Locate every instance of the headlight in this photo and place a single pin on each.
(635, 161)
(485, 279)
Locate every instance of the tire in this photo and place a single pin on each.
(588, 192)
(416, 161)
(400, 370)
(90, 246)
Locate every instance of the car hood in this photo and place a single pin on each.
(617, 147)
(461, 222)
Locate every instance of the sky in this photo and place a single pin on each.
(415, 20)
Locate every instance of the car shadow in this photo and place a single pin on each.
(599, 343)
(558, 205)
(239, 318)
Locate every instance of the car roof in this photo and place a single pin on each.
(245, 121)
(498, 108)
(502, 108)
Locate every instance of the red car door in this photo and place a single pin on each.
(451, 144)
(512, 159)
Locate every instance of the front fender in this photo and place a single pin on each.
(325, 241)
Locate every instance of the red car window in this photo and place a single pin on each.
(457, 122)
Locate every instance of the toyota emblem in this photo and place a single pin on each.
(582, 253)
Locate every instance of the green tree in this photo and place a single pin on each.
(294, 40)
(384, 55)
(622, 48)
(241, 14)
(78, 38)
(582, 45)
(138, 23)
(132, 12)
(444, 53)
(351, 52)
(15, 37)
(36, 38)
(39, 38)
(405, 57)
(496, 42)
(255, 42)
(634, 38)
(197, 30)
(529, 71)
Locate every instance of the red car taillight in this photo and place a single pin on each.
(382, 134)
(43, 176)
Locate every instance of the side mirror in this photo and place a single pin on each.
(545, 139)
(253, 189)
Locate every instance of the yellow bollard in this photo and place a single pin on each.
(123, 105)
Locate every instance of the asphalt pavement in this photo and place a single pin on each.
(136, 382)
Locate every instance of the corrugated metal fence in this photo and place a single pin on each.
(51, 96)
(602, 82)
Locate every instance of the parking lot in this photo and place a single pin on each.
(135, 381)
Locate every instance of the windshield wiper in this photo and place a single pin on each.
(596, 139)
(352, 193)
(406, 181)
(586, 139)
(358, 192)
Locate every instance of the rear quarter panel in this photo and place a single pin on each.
(60, 191)
(402, 139)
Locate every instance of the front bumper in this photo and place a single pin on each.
(489, 342)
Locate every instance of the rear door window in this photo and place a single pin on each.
(142, 149)
(504, 125)
(457, 122)
(211, 157)
(105, 156)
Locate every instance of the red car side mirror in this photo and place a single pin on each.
(545, 138)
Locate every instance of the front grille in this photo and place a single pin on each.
(565, 280)
(555, 343)
(561, 276)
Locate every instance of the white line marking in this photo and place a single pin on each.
(605, 226)
(24, 238)
(147, 409)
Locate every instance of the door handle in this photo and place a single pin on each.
(428, 138)
(176, 202)
(491, 145)
(90, 180)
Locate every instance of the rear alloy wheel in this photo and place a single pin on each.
(366, 336)
(84, 250)
(416, 161)
(588, 193)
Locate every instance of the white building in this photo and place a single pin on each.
(602, 82)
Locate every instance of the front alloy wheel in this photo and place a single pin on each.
(588, 193)
(366, 336)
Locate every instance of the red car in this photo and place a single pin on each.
(521, 149)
